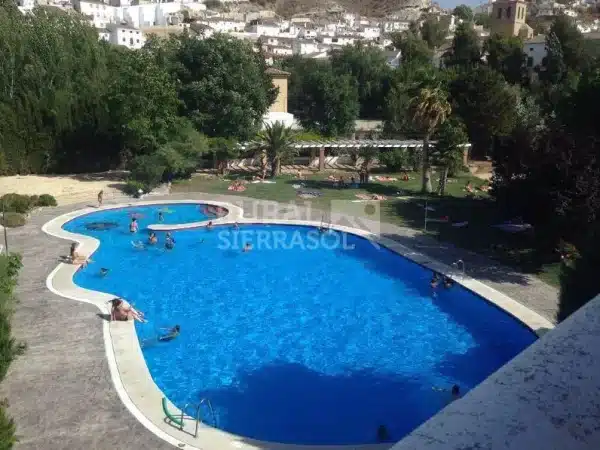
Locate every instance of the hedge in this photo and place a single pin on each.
(9, 348)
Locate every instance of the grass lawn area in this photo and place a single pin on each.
(479, 236)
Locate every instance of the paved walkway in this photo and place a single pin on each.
(60, 392)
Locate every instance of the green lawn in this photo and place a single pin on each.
(479, 236)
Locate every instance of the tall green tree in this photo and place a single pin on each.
(571, 42)
(322, 100)
(224, 150)
(486, 104)
(465, 50)
(579, 281)
(434, 32)
(222, 82)
(505, 55)
(463, 12)
(368, 66)
(414, 50)
(277, 140)
(430, 108)
(483, 19)
(448, 153)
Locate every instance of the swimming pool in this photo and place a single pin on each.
(298, 342)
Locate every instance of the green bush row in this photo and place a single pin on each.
(9, 347)
(22, 204)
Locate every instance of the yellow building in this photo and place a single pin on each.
(508, 19)
(278, 111)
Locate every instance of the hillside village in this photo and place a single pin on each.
(318, 31)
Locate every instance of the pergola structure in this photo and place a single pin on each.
(352, 144)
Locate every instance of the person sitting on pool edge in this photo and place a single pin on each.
(123, 311)
(152, 239)
(172, 333)
(76, 258)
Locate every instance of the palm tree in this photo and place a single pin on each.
(277, 141)
(429, 109)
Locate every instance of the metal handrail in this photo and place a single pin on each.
(212, 411)
(197, 406)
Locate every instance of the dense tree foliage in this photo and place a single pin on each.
(466, 50)
(505, 55)
(463, 12)
(414, 50)
(71, 103)
(322, 100)
(434, 32)
(368, 66)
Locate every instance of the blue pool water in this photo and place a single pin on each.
(296, 342)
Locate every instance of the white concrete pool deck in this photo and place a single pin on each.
(128, 369)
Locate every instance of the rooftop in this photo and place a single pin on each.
(277, 72)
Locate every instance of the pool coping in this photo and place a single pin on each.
(129, 371)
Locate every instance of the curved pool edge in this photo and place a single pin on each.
(129, 372)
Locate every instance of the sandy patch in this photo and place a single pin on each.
(66, 189)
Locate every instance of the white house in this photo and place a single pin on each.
(370, 32)
(264, 28)
(340, 39)
(304, 47)
(26, 5)
(535, 50)
(126, 35)
(390, 26)
(223, 25)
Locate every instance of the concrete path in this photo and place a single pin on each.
(60, 392)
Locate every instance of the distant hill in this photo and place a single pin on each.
(370, 8)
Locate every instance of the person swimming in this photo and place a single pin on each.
(236, 226)
(247, 247)
(133, 225)
(435, 281)
(209, 225)
(152, 239)
(103, 272)
(382, 434)
(169, 235)
(172, 333)
(160, 216)
(169, 243)
(448, 282)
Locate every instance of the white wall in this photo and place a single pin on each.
(536, 51)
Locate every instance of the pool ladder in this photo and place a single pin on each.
(197, 406)
(460, 263)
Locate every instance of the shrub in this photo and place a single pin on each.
(394, 159)
(16, 203)
(12, 220)
(9, 348)
(133, 187)
(7, 429)
(148, 170)
(46, 200)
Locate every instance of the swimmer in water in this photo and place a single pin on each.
(169, 243)
(448, 282)
(160, 216)
(247, 247)
(435, 281)
(152, 239)
(103, 272)
(133, 226)
(236, 226)
(172, 333)
(169, 235)
(209, 225)
(382, 434)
